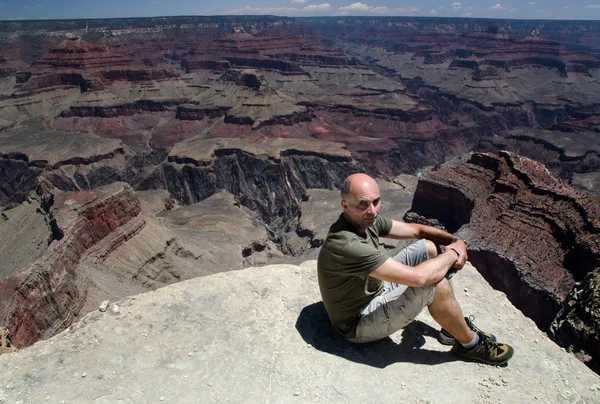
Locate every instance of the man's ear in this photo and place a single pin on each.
(344, 204)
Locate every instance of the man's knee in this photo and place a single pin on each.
(432, 249)
(444, 287)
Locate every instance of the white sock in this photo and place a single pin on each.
(473, 342)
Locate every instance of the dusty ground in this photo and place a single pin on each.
(261, 335)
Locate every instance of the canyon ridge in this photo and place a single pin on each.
(138, 153)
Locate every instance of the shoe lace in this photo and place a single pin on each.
(489, 346)
(472, 325)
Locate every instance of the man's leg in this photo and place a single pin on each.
(445, 309)
(471, 346)
(446, 312)
(399, 304)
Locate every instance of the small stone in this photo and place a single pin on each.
(296, 394)
(162, 398)
(115, 308)
(537, 341)
(189, 354)
(466, 290)
(83, 374)
(103, 306)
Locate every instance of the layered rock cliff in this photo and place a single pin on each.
(217, 121)
(45, 297)
(528, 233)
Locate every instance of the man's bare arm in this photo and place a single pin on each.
(405, 231)
(427, 272)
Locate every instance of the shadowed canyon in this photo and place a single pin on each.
(137, 153)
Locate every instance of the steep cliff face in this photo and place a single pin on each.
(271, 186)
(17, 178)
(46, 296)
(577, 325)
(531, 235)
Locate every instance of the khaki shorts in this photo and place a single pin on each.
(398, 304)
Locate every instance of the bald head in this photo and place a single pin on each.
(360, 200)
(356, 182)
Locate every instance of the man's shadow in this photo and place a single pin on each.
(314, 327)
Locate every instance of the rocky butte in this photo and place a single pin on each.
(138, 153)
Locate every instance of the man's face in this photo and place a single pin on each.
(362, 206)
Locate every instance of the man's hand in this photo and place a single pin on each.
(461, 249)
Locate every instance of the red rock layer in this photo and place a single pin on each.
(46, 297)
(79, 54)
(75, 62)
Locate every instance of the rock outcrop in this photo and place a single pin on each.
(577, 325)
(531, 235)
(262, 335)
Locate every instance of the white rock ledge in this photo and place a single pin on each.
(260, 335)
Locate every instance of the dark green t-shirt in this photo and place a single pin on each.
(344, 264)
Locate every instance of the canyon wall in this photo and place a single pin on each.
(531, 235)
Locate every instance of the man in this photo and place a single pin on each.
(369, 296)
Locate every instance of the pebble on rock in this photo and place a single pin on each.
(103, 306)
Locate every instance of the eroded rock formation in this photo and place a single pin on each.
(247, 114)
(577, 325)
(44, 297)
(531, 235)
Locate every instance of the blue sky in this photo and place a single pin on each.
(59, 9)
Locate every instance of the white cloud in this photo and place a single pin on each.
(531, 3)
(323, 7)
(497, 7)
(308, 10)
(513, 9)
(456, 6)
(567, 7)
(360, 8)
(355, 7)
(408, 10)
(467, 14)
(433, 12)
(300, 1)
(595, 6)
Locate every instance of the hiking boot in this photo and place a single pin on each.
(486, 351)
(445, 338)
